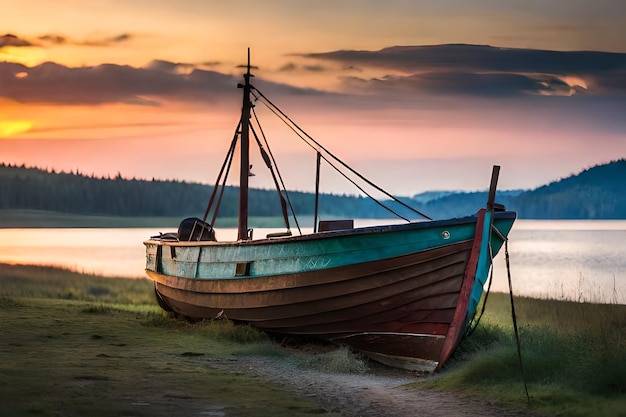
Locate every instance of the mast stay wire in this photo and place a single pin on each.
(505, 239)
(226, 165)
(273, 165)
(268, 103)
(338, 170)
(223, 186)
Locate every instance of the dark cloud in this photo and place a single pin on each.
(12, 40)
(314, 68)
(121, 38)
(480, 58)
(292, 67)
(57, 39)
(171, 67)
(428, 88)
(465, 68)
(615, 84)
(54, 39)
(180, 67)
(104, 40)
(288, 67)
(211, 63)
(108, 83)
(352, 68)
(53, 83)
(464, 83)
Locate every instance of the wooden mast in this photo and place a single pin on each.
(244, 172)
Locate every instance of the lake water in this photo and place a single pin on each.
(573, 260)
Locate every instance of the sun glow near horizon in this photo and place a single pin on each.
(28, 56)
(14, 128)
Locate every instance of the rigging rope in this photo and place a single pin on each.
(223, 187)
(517, 339)
(278, 113)
(268, 163)
(474, 325)
(306, 138)
(280, 177)
(508, 272)
(268, 103)
(227, 162)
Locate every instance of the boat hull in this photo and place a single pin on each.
(399, 294)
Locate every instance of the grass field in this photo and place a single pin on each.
(573, 355)
(75, 344)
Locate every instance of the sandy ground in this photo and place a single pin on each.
(380, 394)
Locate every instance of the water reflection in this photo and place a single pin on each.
(576, 260)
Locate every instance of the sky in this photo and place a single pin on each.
(415, 95)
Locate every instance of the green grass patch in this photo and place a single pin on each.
(77, 344)
(98, 353)
(337, 361)
(241, 339)
(226, 329)
(26, 281)
(574, 357)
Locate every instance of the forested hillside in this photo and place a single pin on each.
(596, 193)
(37, 189)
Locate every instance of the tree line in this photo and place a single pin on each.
(37, 189)
(596, 193)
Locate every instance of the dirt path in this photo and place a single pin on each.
(377, 395)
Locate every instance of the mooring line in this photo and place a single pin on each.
(517, 338)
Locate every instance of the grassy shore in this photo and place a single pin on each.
(78, 345)
(573, 356)
(75, 344)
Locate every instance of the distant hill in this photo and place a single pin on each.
(460, 203)
(595, 193)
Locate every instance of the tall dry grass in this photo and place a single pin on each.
(573, 356)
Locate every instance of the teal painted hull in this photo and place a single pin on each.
(219, 260)
(402, 294)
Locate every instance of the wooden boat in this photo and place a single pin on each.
(402, 294)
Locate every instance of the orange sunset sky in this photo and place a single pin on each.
(417, 95)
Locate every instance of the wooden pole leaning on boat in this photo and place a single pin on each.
(490, 207)
(495, 173)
